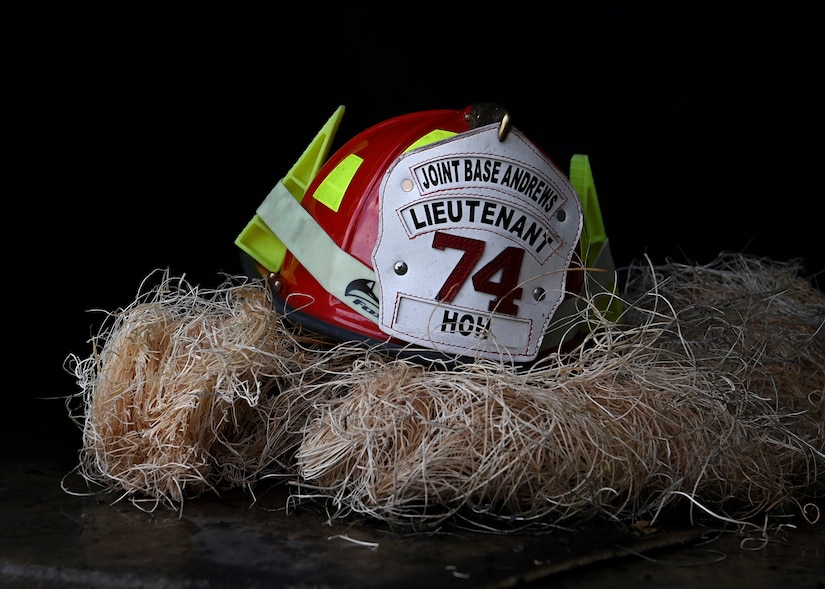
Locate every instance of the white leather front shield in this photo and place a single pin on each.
(475, 238)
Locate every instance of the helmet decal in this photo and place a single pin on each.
(361, 292)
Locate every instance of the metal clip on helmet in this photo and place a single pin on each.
(446, 231)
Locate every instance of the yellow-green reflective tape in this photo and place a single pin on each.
(430, 137)
(332, 188)
(330, 191)
(593, 235)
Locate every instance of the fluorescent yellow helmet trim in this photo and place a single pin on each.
(593, 234)
(257, 239)
(599, 287)
(431, 137)
(332, 189)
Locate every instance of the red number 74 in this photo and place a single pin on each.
(504, 292)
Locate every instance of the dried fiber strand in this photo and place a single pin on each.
(710, 388)
(181, 392)
(644, 411)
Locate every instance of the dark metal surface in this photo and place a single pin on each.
(52, 539)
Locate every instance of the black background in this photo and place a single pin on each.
(146, 134)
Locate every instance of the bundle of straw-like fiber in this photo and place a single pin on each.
(710, 391)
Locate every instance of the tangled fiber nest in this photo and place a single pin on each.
(710, 392)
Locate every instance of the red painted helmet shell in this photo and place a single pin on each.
(354, 225)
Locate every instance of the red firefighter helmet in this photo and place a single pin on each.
(447, 231)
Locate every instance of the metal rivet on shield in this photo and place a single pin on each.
(539, 293)
(400, 268)
(561, 215)
(406, 185)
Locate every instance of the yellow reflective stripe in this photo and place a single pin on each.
(593, 233)
(431, 137)
(332, 188)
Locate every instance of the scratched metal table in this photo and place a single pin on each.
(51, 539)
